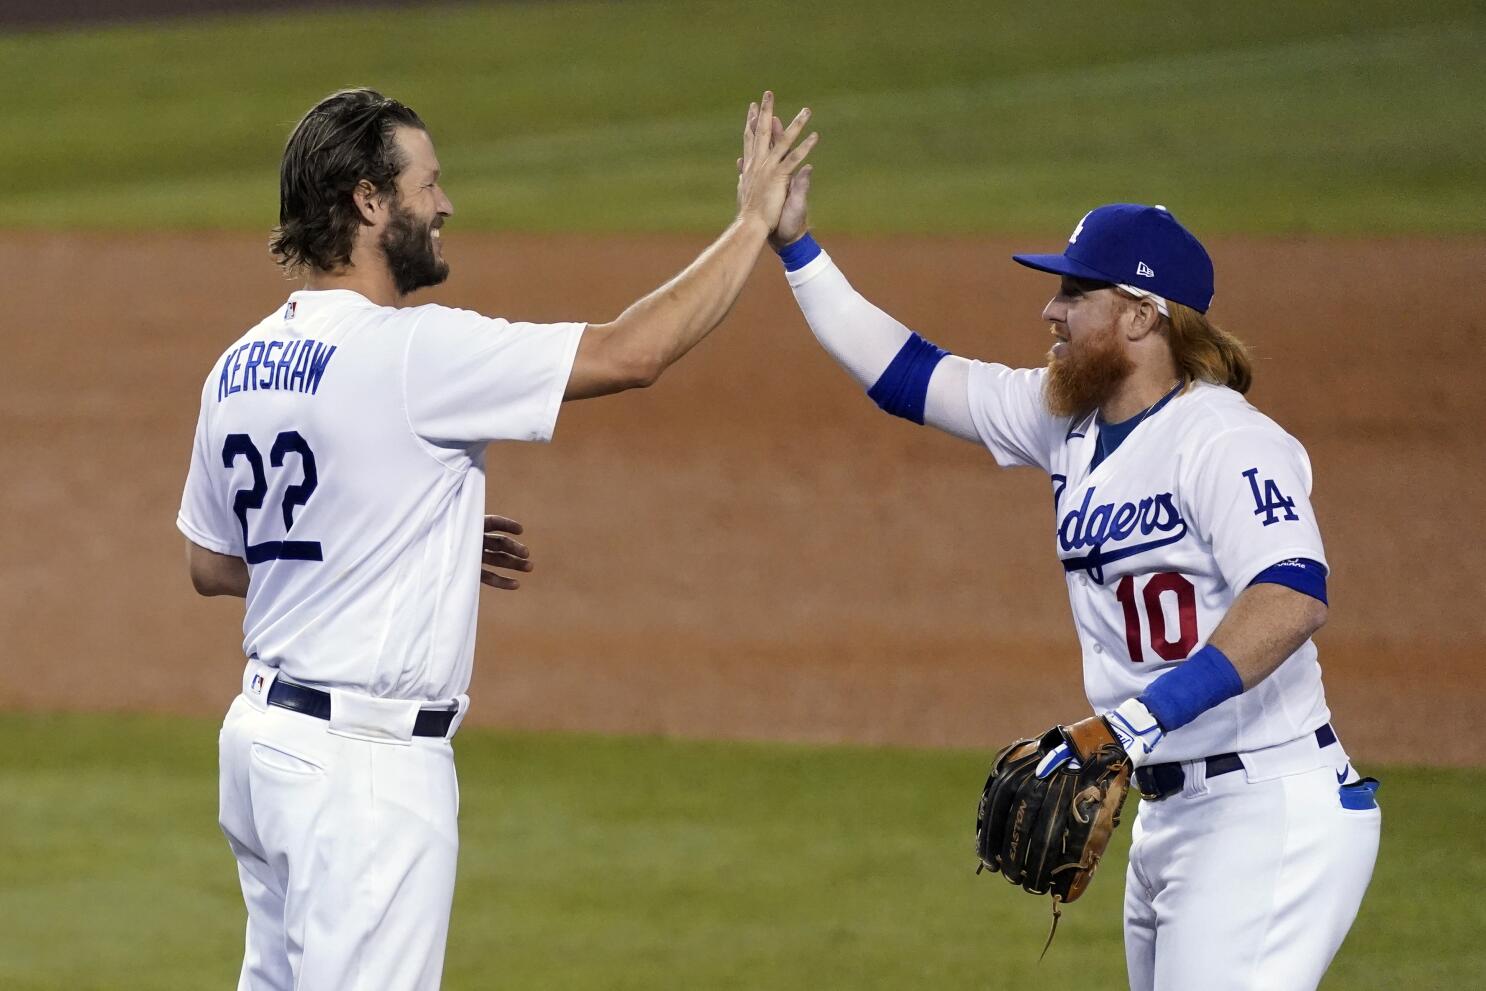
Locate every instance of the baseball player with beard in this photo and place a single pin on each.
(1196, 576)
(337, 482)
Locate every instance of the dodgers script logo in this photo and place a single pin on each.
(1094, 527)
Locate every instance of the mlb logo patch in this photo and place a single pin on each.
(289, 310)
(257, 683)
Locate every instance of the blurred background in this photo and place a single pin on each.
(731, 730)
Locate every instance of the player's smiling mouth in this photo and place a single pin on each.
(1060, 342)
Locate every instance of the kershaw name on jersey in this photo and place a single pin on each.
(296, 365)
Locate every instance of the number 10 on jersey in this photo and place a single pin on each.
(1149, 596)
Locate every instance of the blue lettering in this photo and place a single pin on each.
(1098, 524)
(255, 355)
(301, 365)
(1070, 534)
(225, 379)
(317, 365)
(237, 360)
(285, 363)
(1146, 524)
(1271, 501)
(265, 372)
(1167, 517)
(1093, 526)
(1124, 522)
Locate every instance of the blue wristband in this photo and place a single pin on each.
(798, 254)
(1204, 680)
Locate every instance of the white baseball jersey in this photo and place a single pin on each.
(1162, 536)
(341, 452)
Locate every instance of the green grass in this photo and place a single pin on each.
(1264, 117)
(642, 863)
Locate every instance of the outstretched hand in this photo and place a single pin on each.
(794, 220)
(502, 551)
(769, 163)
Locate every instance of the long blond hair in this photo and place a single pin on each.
(1205, 352)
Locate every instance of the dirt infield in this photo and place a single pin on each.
(750, 549)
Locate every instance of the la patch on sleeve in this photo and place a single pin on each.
(1269, 501)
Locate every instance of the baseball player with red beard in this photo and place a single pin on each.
(1196, 576)
(337, 482)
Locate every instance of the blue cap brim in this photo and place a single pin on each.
(1062, 265)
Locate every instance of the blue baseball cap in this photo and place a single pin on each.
(1138, 246)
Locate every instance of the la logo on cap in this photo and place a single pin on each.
(1073, 238)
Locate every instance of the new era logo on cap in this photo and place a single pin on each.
(1113, 241)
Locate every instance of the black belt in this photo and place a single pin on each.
(313, 702)
(1158, 781)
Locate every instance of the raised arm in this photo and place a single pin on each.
(904, 374)
(633, 350)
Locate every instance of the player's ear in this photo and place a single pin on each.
(1143, 319)
(369, 202)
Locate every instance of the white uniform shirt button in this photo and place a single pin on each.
(1098, 648)
(1083, 580)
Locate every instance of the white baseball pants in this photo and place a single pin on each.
(346, 849)
(1250, 880)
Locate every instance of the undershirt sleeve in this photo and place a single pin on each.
(864, 340)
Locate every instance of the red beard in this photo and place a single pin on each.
(1087, 374)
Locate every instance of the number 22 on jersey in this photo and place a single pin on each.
(288, 442)
(1137, 598)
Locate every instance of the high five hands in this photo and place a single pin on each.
(771, 184)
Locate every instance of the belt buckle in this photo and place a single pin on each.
(1140, 788)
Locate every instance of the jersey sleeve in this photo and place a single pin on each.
(1010, 414)
(205, 517)
(1249, 498)
(471, 379)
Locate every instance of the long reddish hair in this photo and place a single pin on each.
(1205, 352)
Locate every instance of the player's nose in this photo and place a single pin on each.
(444, 205)
(1054, 311)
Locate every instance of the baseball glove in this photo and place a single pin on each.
(1049, 807)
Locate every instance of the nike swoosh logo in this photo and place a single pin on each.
(1341, 776)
